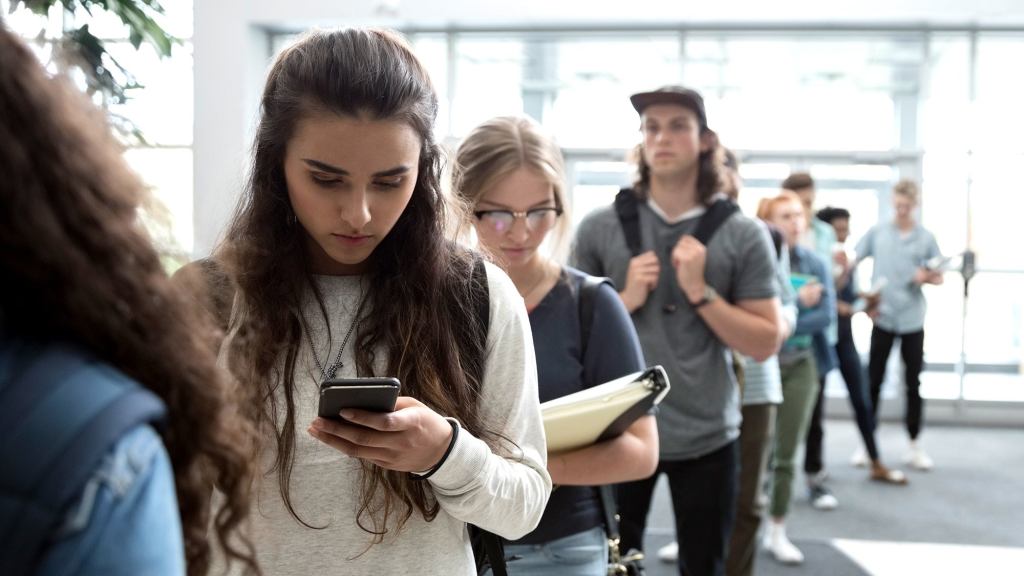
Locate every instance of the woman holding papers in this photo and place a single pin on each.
(804, 355)
(512, 176)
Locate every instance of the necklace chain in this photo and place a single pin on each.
(543, 276)
(330, 371)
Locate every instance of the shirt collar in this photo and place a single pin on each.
(691, 213)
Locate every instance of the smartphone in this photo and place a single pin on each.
(374, 394)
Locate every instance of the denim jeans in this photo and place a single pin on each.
(581, 554)
(126, 520)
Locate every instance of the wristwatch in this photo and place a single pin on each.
(709, 296)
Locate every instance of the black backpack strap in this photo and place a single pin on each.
(52, 446)
(610, 510)
(495, 551)
(717, 213)
(627, 208)
(588, 289)
(488, 550)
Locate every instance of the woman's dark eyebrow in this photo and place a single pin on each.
(325, 167)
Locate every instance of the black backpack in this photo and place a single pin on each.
(627, 208)
(61, 411)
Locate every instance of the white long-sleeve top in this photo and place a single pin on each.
(501, 494)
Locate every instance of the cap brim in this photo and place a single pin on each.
(644, 99)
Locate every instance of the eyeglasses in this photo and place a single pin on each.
(537, 219)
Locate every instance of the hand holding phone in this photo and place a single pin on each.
(412, 438)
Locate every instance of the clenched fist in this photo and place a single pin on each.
(641, 280)
(688, 258)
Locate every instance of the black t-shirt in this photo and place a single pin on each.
(613, 351)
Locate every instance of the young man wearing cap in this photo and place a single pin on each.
(691, 304)
(819, 238)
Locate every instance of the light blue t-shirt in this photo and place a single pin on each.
(898, 255)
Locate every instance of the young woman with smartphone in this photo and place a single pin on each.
(343, 267)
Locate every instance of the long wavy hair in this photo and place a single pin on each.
(421, 298)
(76, 265)
(710, 169)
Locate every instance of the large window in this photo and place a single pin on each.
(162, 110)
(859, 110)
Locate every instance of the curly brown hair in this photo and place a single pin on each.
(421, 294)
(76, 265)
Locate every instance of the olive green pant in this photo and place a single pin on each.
(799, 392)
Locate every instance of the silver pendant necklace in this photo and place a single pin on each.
(329, 372)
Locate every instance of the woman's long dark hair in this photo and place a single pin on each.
(420, 294)
(710, 167)
(76, 265)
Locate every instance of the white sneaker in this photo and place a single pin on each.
(822, 498)
(918, 459)
(859, 458)
(669, 553)
(779, 546)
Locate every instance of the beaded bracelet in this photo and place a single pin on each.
(451, 446)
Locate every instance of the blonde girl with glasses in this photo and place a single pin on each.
(513, 178)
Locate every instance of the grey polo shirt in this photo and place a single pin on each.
(701, 412)
(897, 256)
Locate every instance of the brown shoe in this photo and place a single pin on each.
(880, 473)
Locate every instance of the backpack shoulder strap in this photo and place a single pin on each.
(716, 215)
(586, 299)
(627, 207)
(71, 410)
(488, 550)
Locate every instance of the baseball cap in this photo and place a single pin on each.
(678, 95)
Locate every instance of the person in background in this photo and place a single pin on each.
(848, 302)
(799, 359)
(907, 256)
(820, 239)
(762, 395)
(87, 313)
(512, 176)
(693, 305)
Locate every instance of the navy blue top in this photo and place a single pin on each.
(613, 351)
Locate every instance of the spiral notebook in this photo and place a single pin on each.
(602, 412)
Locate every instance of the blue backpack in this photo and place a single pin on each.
(61, 411)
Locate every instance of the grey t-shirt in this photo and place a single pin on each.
(701, 412)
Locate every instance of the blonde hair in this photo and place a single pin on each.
(499, 147)
(908, 189)
(767, 205)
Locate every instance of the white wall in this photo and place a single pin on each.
(232, 52)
